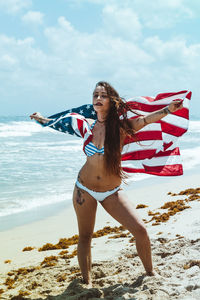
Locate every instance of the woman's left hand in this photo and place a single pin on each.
(175, 105)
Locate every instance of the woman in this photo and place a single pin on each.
(101, 176)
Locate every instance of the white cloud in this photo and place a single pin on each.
(33, 17)
(162, 14)
(121, 21)
(120, 52)
(153, 14)
(20, 60)
(89, 52)
(14, 6)
(174, 52)
(8, 62)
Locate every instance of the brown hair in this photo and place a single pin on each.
(114, 128)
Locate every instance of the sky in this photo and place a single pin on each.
(52, 52)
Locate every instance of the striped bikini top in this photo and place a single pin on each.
(91, 149)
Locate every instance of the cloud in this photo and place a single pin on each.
(8, 62)
(156, 14)
(14, 6)
(98, 53)
(33, 17)
(20, 60)
(174, 52)
(121, 21)
(134, 60)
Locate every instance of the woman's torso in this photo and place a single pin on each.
(93, 174)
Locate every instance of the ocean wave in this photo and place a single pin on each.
(21, 128)
(18, 205)
(27, 128)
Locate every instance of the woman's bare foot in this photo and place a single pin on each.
(151, 273)
(88, 285)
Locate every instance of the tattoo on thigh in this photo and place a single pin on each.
(79, 199)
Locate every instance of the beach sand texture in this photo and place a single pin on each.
(173, 223)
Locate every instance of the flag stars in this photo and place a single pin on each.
(88, 106)
(81, 111)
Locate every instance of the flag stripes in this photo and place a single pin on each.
(153, 149)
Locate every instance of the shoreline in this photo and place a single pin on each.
(42, 213)
(175, 245)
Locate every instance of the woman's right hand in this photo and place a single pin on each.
(38, 117)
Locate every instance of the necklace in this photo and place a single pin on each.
(101, 122)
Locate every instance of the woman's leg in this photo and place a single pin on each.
(85, 207)
(120, 208)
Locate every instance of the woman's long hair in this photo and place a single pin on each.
(114, 128)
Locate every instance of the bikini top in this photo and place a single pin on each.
(91, 149)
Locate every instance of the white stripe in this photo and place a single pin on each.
(75, 126)
(172, 119)
(137, 164)
(143, 145)
(174, 145)
(176, 121)
(65, 116)
(164, 160)
(151, 127)
(88, 150)
(93, 147)
(167, 138)
(139, 112)
(153, 162)
(186, 103)
(163, 101)
(86, 127)
(86, 136)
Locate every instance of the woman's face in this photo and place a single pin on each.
(101, 101)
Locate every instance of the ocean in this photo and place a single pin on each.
(39, 167)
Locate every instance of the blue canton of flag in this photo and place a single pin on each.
(67, 121)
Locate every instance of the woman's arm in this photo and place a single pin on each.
(38, 117)
(140, 122)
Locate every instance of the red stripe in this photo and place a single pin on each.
(166, 95)
(189, 95)
(144, 136)
(167, 145)
(167, 170)
(175, 151)
(145, 107)
(172, 129)
(133, 170)
(80, 126)
(142, 154)
(184, 113)
(89, 139)
(138, 155)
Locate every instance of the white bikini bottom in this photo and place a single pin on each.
(99, 196)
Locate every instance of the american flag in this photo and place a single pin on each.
(153, 149)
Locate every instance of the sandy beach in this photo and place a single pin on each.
(48, 269)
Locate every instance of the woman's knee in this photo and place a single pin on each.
(85, 237)
(141, 232)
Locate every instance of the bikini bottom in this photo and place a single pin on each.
(99, 196)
